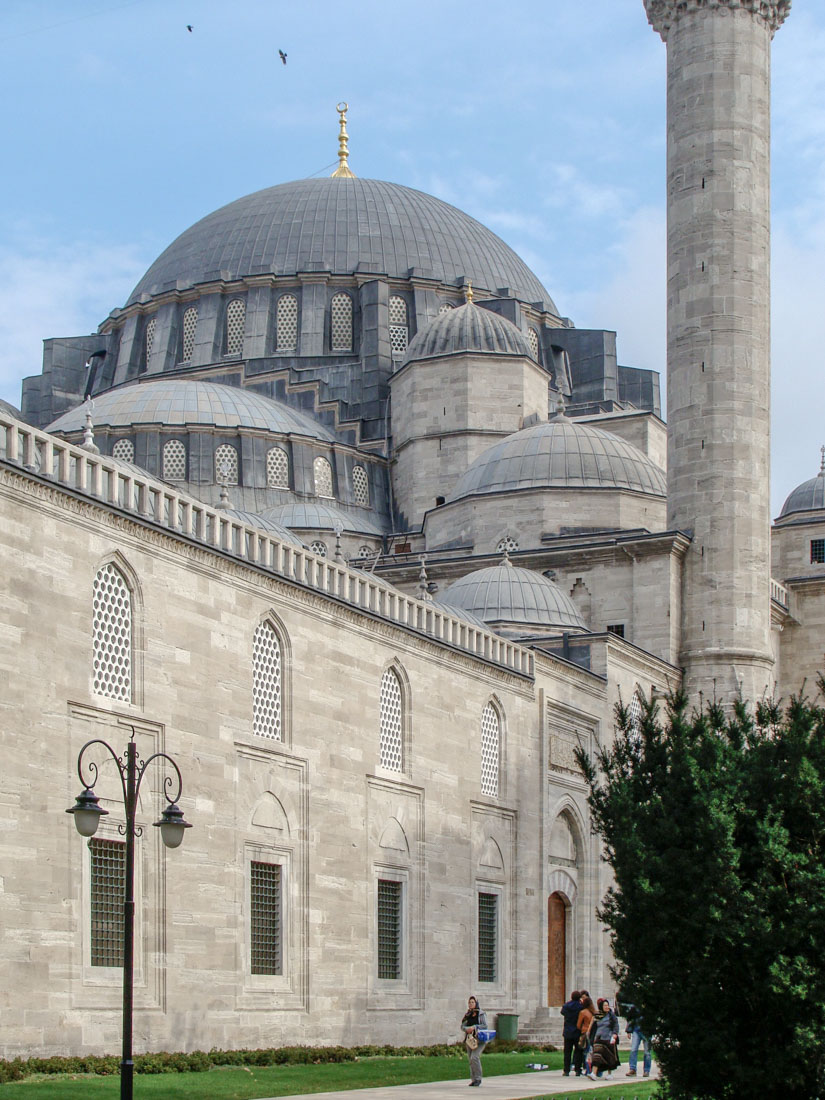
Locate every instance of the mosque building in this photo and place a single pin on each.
(341, 512)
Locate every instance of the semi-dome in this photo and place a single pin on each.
(9, 409)
(468, 328)
(309, 515)
(809, 496)
(507, 594)
(560, 454)
(344, 226)
(175, 402)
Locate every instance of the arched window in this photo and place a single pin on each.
(366, 552)
(391, 747)
(174, 461)
(490, 750)
(190, 323)
(635, 711)
(533, 341)
(508, 543)
(226, 465)
(267, 693)
(112, 634)
(286, 322)
(277, 468)
(319, 548)
(235, 322)
(399, 326)
(149, 338)
(341, 323)
(445, 308)
(124, 449)
(322, 472)
(360, 486)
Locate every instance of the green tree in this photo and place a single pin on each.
(714, 826)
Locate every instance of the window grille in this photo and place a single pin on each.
(389, 929)
(445, 308)
(277, 468)
(226, 465)
(634, 728)
(817, 551)
(366, 552)
(391, 743)
(322, 472)
(174, 460)
(108, 887)
(266, 924)
(616, 628)
(266, 683)
(533, 341)
(490, 749)
(286, 334)
(487, 937)
(112, 635)
(149, 338)
(190, 323)
(124, 449)
(235, 323)
(508, 543)
(360, 486)
(341, 323)
(319, 548)
(399, 326)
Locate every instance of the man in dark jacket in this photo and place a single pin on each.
(570, 1011)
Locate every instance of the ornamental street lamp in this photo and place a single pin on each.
(87, 813)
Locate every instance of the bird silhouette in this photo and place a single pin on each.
(189, 27)
(282, 56)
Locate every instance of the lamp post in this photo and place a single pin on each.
(87, 813)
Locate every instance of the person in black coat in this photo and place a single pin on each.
(570, 1033)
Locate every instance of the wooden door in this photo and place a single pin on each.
(556, 949)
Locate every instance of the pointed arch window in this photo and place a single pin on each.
(124, 449)
(360, 486)
(490, 750)
(286, 323)
(341, 323)
(267, 683)
(226, 465)
(174, 461)
(322, 474)
(190, 323)
(399, 326)
(112, 634)
(277, 468)
(235, 323)
(391, 747)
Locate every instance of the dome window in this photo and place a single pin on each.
(360, 486)
(174, 461)
(124, 449)
(277, 468)
(533, 341)
(190, 323)
(322, 473)
(366, 552)
(490, 750)
(149, 339)
(319, 548)
(508, 543)
(341, 323)
(266, 683)
(286, 320)
(226, 465)
(399, 326)
(391, 745)
(112, 635)
(445, 308)
(235, 323)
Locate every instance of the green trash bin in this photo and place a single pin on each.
(506, 1025)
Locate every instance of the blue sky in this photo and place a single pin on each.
(544, 120)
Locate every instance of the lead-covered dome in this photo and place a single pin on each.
(310, 515)
(466, 329)
(506, 595)
(344, 226)
(807, 497)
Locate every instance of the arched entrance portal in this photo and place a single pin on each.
(556, 948)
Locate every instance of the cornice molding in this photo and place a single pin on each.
(662, 14)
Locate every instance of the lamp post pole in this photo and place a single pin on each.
(87, 813)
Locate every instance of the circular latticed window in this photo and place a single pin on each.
(277, 468)
(365, 552)
(235, 322)
(508, 543)
(341, 322)
(124, 449)
(399, 326)
(445, 308)
(266, 683)
(112, 635)
(322, 472)
(360, 486)
(226, 465)
(149, 338)
(190, 323)
(286, 335)
(174, 460)
(390, 749)
(533, 341)
(490, 739)
(319, 548)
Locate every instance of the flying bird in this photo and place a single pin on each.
(282, 56)
(189, 27)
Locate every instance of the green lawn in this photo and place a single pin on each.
(612, 1091)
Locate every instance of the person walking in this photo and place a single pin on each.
(604, 1037)
(474, 1019)
(570, 1034)
(588, 1011)
(637, 1038)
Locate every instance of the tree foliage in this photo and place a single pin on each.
(714, 826)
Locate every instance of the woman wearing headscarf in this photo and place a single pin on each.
(474, 1019)
(604, 1035)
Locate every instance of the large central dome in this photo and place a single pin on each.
(343, 225)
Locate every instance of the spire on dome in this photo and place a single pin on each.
(822, 463)
(343, 171)
(423, 584)
(88, 443)
(468, 292)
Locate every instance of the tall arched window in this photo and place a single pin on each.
(533, 341)
(267, 674)
(112, 634)
(391, 746)
(190, 323)
(277, 468)
(399, 326)
(174, 461)
(124, 449)
(635, 712)
(235, 322)
(149, 338)
(360, 486)
(341, 323)
(490, 750)
(226, 465)
(286, 323)
(322, 472)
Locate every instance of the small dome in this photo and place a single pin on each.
(507, 594)
(176, 402)
(468, 328)
(312, 516)
(263, 523)
(809, 496)
(560, 454)
(9, 409)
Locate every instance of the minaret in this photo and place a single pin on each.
(718, 332)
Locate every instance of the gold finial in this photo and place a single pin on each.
(468, 291)
(343, 170)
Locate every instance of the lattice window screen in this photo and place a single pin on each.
(635, 717)
(265, 901)
(533, 341)
(445, 308)
(124, 449)
(112, 635)
(508, 543)
(319, 548)
(365, 552)
(487, 937)
(399, 326)
(341, 322)
(391, 726)
(389, 928)
(107, 877)
(226, 465)
(286, 335)
(266, 683)
(490, 749)
(235, 322)
(277, 468)
(322, 473)
(360, 486)
(190, 323)
(149, 338)
(174, 460)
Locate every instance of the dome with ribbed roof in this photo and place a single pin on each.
(310, 515)
(809, 496)
(468, 328)
(508, 595)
